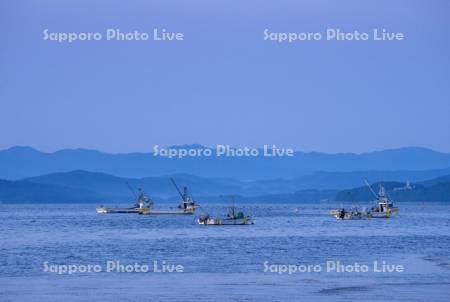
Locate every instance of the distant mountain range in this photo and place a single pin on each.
(91, 176)
(88, 187)
(162, 187)
(23, 162)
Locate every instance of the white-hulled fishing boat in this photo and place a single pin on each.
(232, 219)
(384, 207)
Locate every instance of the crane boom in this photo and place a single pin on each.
(178, 190)
(131, 189)
(371, 190)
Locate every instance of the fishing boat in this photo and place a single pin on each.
(352, 214)
(141, 205)
(187, 205)
(232, 218)
(384, 207)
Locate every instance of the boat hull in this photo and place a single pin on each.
(143, 211)
(166, 212)
(219, 221)
(102, 210)
(349, 215)
(386, 214)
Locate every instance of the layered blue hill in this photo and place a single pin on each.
(30, 192)
(83, 186)
(22, 162)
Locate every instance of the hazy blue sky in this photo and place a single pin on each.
(224, 84)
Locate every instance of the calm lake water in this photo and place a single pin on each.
(224, 263)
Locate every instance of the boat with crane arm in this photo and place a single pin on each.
(187, 205)
(384, 207)
(142, 204)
